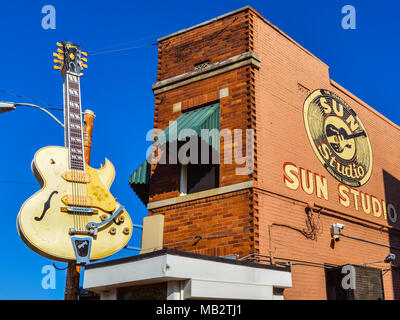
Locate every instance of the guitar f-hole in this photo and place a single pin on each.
(46, 206)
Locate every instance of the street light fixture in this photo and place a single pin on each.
(10, 106)
(6, 106)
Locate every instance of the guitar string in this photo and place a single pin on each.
(69, 145)
(67, 122)
(76, 199)
(75, 195)
(79, 188)
(73, 199)
(76, 202)
(82, 155)
(79, 199)
(78, 191)
(84, 190)
(85, 214)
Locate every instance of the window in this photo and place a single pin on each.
(199, 177)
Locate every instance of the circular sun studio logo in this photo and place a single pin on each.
(338, 138)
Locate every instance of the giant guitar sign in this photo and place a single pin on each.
(74, 216)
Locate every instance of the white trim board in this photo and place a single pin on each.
(200, 195)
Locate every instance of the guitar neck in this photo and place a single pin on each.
(356, 135)
(73, 121)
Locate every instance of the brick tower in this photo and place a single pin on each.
(210, 65)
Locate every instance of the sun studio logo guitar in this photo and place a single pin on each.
(338, 138)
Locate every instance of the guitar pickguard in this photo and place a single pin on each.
(96, 195)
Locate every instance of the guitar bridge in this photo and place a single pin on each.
(88, 232)
(75, 210)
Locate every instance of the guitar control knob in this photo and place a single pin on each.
(113, 231)
(121, 219)
(126, 231)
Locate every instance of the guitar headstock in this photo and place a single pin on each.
(70, 58)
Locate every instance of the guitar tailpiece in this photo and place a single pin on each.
(95, 226)
(82, 247)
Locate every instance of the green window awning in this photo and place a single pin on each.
(139, 181)
(206, 118)
(204, 122)
(141, 175)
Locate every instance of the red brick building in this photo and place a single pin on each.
(321, 157)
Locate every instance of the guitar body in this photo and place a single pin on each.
(43, 222)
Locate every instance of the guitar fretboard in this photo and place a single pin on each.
(73, 121)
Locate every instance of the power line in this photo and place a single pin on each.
(120, 44)
(17, 182)
(105, 50)
(51, 106)
(122, 49)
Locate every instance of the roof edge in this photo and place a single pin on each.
(364, 104)
(187, 254)
(204, 23)
(248, 7)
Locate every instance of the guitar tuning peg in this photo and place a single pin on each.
(84, 53)
(84, 59)
(57, 67)
(60, 51)
(59, 45)
(84, 65)
(57, 61)
(56, 55)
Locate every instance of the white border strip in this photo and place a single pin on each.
(200, 195)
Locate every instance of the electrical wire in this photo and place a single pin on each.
(197, 238)
(122, 49)
(16, 182)
(106, 50)
(221, 31)
(61, 269)
(120, 44)
(51, 106)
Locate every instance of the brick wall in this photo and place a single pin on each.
(281, 223)
(214, 42)
(271, 219)
(223, 223)
(288, 73)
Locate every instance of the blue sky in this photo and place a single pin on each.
(117, 87)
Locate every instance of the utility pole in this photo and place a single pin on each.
(74, 271)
